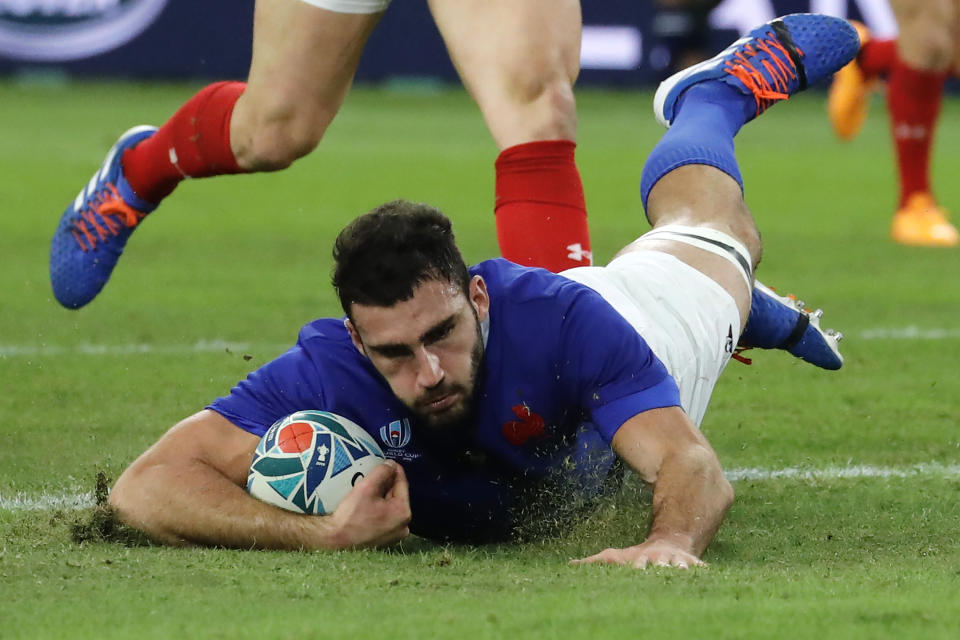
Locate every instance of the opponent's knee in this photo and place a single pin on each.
(927, 35)
(527, 108)
(273, 139)
(559, 112)
(934, 51)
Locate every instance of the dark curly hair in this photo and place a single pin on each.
(382, 256)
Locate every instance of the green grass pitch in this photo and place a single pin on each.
(846, 521)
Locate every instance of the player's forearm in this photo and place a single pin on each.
(191, 503)
(690, 498)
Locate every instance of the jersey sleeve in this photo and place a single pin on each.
(615, 373)
(284, 385)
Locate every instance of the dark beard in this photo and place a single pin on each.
(461, 420)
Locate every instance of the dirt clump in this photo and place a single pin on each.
(102, 524)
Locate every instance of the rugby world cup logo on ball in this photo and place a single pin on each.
(61, 30)
(308, 461)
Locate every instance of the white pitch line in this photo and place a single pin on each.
(46, 501)
(925, 469)
(86, 349)
(73, 501)
(213, 346)
(910, 333)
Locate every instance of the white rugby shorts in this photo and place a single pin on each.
(351, 6)
(689, 321)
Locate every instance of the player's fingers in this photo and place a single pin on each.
(678, 560)
(400, 497)
(607, 556)
(612, 556)
(588, 560)
(684, 560)
(668, 558)
(400, 490)
(654, 560)
(380, 480)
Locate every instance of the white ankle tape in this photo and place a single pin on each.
(716, 242)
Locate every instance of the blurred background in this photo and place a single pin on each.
(625, 42)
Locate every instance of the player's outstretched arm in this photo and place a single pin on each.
(188, 489)
(690, 495)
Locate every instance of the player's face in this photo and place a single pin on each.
(428, 348)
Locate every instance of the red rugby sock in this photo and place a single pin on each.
(876, 57)
(913, 99)
(540, 209)
(194, 143)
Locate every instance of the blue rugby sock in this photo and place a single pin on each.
(708, 116)
(771, 323)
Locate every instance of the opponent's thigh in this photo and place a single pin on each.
(304, 59)
(927, 32)
(956, 37)
(519, 60)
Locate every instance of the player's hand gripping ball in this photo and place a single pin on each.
(310, 460)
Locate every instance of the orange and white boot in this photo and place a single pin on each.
(921, 223)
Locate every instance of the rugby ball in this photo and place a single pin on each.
(309, 460)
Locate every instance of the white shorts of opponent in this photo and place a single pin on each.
(689, 321)
(351, 6)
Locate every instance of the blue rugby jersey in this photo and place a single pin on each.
(562, 371)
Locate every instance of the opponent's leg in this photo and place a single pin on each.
(519, 60)
(955, 65)
(692, 179)
(304, 58)
(925, 53)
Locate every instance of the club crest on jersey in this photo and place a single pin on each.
(396, 434)
(529, 425)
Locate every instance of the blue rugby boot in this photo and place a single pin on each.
(782, 322)
(773, 62)
(95, 228)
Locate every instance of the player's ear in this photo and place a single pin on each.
(354, 336)
(479, 297)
